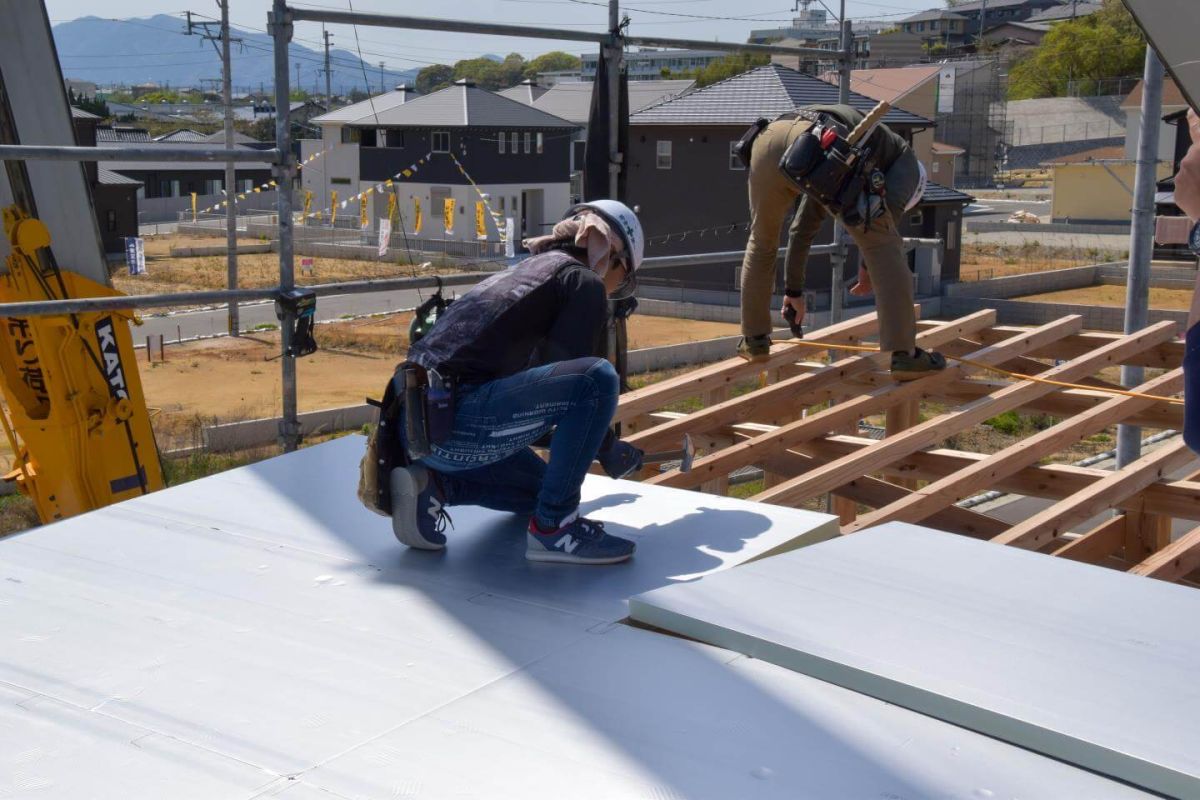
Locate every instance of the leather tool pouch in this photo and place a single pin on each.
(745, 145)
(384, 449)
(830, 173)
(439, 407)
(416, 430)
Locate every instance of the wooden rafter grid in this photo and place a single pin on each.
(796, 418)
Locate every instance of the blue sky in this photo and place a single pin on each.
(403, 49)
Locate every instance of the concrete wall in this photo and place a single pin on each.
(1166, 133)
(1018, 312)
(1095, 192)
(1021, 285)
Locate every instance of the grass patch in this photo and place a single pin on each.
(744, 491)
(17, 513)
(201, 465)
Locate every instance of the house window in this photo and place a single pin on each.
(340, 181)
(512, 142)
(920, 26)
(528, 142)
(350, 135)
(501, 140)
(441, 141)
(917, 217)
(663, 160)
(111, 220)
(539, 144)
(734, 161)
(933, 25)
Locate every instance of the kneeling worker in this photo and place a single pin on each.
(869, 182)
(517, 354)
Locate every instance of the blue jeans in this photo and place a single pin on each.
(487, 461)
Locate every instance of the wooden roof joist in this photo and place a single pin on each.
(794, 426)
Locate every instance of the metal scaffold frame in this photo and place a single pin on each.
(281, 20)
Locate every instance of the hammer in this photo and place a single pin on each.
(685, 456)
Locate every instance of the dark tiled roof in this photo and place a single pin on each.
(992, 5)
(463, 105)
(933, 13)
(109, 178)
(181, 135)
(183, 166)
(935, 193)
(79, 113)
(761, 92)
(109, 134)
(573, 101)
(1082, 9)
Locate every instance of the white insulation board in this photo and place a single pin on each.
(259, 634)
(1091, 666)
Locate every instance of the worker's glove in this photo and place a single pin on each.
(620, 458)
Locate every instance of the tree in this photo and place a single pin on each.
(92, 105)
(1083, 52)
(434, 77)
(730, 65)
(554, 61)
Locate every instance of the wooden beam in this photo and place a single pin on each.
(1174, 561)
(1097, 544)
(1166, 356)
(1180, 499)
(938, 428)
(1100, 496)
(1145, 535)
(874, 492)
(727, 372)
(791, 394)
(986, 473)
(751, 451)
(897, 420)
(1067, 403)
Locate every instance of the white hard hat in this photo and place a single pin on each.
(620, 215)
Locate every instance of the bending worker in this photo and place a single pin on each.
(788, 159)
(511, 360)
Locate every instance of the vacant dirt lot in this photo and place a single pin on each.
(1166, 299)
(982, 261)
(165, 273)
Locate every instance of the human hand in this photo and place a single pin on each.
(1187, 182)
(793, 311)
(862, 287)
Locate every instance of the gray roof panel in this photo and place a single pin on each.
(366, 109)
(524, 92)
(761, 92)
(463, 105)
(573, 101)
(108, 177)
(936, 193)
(177, 166)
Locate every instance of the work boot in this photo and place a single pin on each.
(577, 540)
(909, 366)
(755, 349)
(418, 508)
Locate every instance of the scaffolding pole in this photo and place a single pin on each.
(1141, 240)
(281, 31)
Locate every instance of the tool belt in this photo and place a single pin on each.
(826, 167)
(429, 400)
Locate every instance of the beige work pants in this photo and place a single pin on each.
(772, 196)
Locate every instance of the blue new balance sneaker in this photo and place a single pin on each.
(577, 541)
(418, 513)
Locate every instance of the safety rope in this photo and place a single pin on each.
(855, 348)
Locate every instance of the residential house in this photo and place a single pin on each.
(999, 11)
(1066, 11)
(691, 188)
(114, 196)
(809, 25)
(179, 179)
(1095, 187)
(557, 76)
(515, 154)
(573, 102)
(182, 135)
(1012, 41)
(872, 50)
(912, 89)
(651, 64)
(82, 89)
(1164, 198)
(944, 162)
(939, 29)
(1172, 101)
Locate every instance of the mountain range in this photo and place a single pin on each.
(112, 52)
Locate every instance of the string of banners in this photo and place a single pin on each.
(253, 190)
(363, 198)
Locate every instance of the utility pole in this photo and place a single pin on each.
(1141, 240)
(382, 83)
(326, 35)
(230, 171)
(297, 74)
(982, 22)
(837, 259)
(613, 57)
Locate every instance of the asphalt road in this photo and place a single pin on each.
(211, 322)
